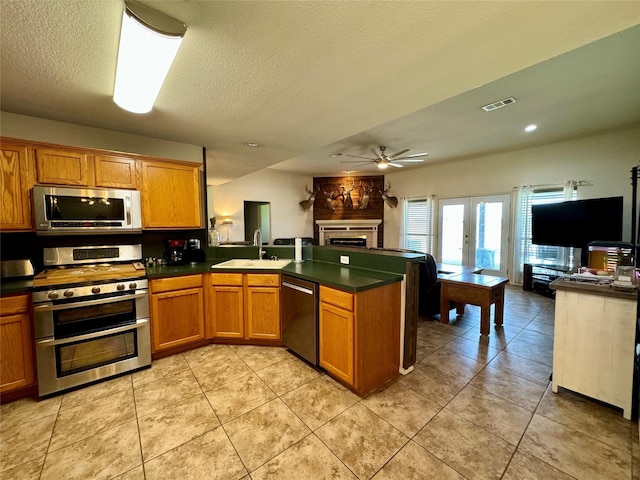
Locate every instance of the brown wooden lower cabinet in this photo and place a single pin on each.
(176, 308)
(244, 306)
(16, 343)
(360, 335)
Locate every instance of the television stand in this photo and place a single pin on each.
(537, 277)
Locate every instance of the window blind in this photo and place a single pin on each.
(418, 234)
(544, 254)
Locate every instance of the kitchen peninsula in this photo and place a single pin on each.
(363, 307)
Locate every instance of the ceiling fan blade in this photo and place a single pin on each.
(379, 155)
(415, 155)
(401, 152)
(394, 164)
(359, 162)
(358, 156)
(410, 160)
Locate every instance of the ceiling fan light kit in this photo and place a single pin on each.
(382, 160)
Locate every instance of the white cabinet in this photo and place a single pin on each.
(593, 347)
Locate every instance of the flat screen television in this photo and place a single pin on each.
(576, 223)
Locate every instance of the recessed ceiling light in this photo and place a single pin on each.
(530, 128)
(252, 144)
(334, 155)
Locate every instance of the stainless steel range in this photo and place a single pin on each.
(91, 312)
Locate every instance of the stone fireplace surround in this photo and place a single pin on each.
(349, 229)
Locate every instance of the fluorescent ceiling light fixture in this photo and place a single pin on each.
(530, 128)
(149, 41)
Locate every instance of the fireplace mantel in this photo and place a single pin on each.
(367, 228)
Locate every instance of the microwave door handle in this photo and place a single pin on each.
(89, 303)
(127, 202)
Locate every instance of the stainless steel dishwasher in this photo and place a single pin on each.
(300, 317)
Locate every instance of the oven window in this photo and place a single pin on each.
(84, 208)
(93, 318)
(81, 356)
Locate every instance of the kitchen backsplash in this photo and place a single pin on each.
(22, 245)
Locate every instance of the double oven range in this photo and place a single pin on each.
(91, 315)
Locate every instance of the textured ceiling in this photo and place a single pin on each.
(305, 79)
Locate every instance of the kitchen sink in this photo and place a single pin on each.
(248, 263)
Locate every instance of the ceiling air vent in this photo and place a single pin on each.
(499, 104)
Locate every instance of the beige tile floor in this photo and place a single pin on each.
(472, 408)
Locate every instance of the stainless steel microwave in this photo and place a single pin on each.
(78, 211)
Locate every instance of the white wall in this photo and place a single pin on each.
(50, 131)
(284, 192)
(604, 160)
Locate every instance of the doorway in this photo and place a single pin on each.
(257, 215)
(474, 231)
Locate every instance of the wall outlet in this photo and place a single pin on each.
(344, 259)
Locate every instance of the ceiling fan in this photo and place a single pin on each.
(383, 160)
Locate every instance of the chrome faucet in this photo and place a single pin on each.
(257, 242)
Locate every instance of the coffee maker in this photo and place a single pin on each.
(174, 252)
(193, 253)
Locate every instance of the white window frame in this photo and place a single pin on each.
(540, 194)
(418, 230)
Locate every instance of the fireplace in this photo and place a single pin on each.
(360, 241)
(349, 232)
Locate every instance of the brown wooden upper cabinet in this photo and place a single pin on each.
(59, 166)
(62, 167)
(170, 193)
(17, 170)
(116, 172)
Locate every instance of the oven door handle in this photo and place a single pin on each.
(88, 303)
(90, 336)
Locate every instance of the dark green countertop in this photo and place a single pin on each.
(14, 286)
(351, 279)
(180, 270)
(368, 268)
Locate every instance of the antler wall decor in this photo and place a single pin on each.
(331, 196)
(349, 198)
(391, 201)
(308, 203)
(366, 192)
(348, 201)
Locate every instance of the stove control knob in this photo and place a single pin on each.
(95, 290)
(68, 293)
(133, 286)
(53, 295)
(120, 287)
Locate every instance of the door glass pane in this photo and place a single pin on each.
(452, 234)
(488, 234)
(77, 357)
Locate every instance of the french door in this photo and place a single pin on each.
(474, 231)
